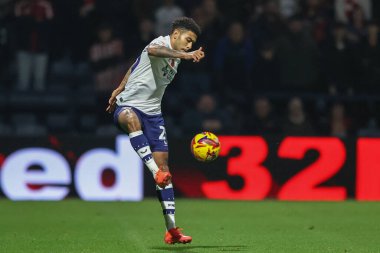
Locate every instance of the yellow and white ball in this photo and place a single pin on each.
(205, 147)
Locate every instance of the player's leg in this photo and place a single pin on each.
(166, 195)
(166, 198)
(130, 122)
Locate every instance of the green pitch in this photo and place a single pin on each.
(216, 226)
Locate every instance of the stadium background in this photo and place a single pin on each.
(273, 69)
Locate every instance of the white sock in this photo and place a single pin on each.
(152, 166)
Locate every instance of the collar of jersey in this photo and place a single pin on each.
(168, 41)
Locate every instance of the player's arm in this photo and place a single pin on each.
(112, 101)
(165, 52)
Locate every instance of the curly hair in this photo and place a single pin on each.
(186, 23)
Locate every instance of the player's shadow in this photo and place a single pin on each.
(189, 249)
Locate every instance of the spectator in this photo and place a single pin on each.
(195, 78)
(85, 20)
(5, 57)
(143, 9)
(317, 18)
(370, 59)
(340, 123)
(210, 20)
(344, 9)
(339, 61)
(269, 25)
(298, 58)
(106, 56)
(372, 129)
(233, 63)
(206, 117)
(288, 8)
(262, 119)
(296, 122)
(119, 15)
(266, 69)
(33, 19)
(165, 15)
(210, 12)
(356, 26)
(309, 9)
(236, 10)
(142, 38)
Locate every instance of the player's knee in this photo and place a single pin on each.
(129, 121)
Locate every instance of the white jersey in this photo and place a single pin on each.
(148, 80)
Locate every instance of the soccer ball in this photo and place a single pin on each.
(205, 147)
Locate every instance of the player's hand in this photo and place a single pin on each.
(112, 101)
(196, 55)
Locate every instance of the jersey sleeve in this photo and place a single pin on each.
(160, 41)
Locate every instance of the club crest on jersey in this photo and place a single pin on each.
(172, 63)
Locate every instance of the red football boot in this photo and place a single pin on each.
(174, 235)
(163, 178)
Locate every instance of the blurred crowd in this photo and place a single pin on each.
(292, 67)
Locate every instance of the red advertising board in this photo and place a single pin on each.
(249, 168)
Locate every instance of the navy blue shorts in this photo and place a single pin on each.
(153, 127)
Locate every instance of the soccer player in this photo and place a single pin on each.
(136, 105)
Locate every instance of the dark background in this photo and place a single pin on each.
(294, 67)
